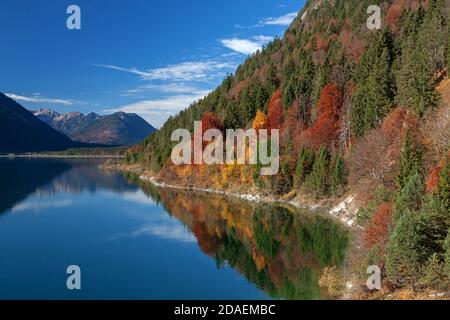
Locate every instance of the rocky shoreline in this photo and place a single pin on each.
(344, 210)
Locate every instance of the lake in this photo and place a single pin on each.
(132, 240)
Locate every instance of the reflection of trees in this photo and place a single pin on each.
(280, 251)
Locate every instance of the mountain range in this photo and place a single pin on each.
(21, 131)
(118, 129)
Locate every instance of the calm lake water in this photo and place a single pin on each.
(134, 241)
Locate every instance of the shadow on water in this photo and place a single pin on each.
(21, 177)
(282, 252)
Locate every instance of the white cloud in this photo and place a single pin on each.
(185, 71)
(176, 88)
(158, 111)
(38, 99)
(167, 232)
(285, 20)
(137, 197)
(38, 206)
(246, 46)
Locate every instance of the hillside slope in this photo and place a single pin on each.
(359, 114)
(21, 131)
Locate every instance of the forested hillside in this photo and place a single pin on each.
(360, 111)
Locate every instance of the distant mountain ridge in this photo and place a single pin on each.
(118, 129)
(22, 132)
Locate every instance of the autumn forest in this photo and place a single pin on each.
(361, 113)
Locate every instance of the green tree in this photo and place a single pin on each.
(317, 181)
(374, 93)
(402, 252)
(410, 161)
(284, 181)
(409, 198)
(272, 80)
(447, 252)
(434, 275)
(304, 165)
(415, 80)
(337, 174)
(232, 116)
(443, 191)
(435, 222)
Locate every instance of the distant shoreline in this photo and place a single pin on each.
(58, 156)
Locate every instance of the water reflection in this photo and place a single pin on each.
(45, 177)
(279, 250)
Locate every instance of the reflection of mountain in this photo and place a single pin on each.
(84, 176)
(279, 251)
(21, 177)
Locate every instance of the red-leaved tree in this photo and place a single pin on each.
(275, 111)
(378, 230)
(325, 131)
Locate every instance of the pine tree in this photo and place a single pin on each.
(379, 94)
(261, 97)
(435, 222)
(304, 165)
(447, 252)
(289, 92)
(415, 79)
(272, 79)
(374, 94)
(247, 105)
(434, 275)
(443, 191)
(448, 46)
(409, 198)
(337, 175)
(284, 181)
(317, 181)
(232, 117)
(410, 161)
(402, 252)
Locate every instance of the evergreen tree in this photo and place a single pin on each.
(374, 94)
(379, 93)
(434, 275)
(402, 252)
(410, 161)
(447, 252)
(409, 198)
(272, 79)
(448, 46)
(289, 92)
(232, 117)
(435, 222)
(261, 97)
(284, 181)
(317, 181)
(443, 191)
(337, 175)
(415, 81)
(304, 165)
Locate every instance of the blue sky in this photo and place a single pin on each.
(149, 57)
